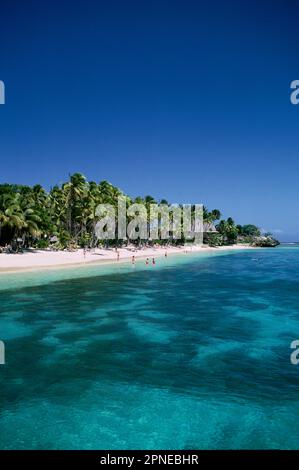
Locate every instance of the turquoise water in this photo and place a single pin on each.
(193, 353)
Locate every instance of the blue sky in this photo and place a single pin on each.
(186, 100)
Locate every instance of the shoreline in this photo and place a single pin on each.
(40, 260)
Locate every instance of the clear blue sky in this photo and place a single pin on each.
(187, 100)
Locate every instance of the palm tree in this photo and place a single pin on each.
(12, 216)
(228, 229)
(215, 214)
(69, 211)
(73, 192)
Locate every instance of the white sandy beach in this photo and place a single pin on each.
(35, 259)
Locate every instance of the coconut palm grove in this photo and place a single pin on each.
(65, 217)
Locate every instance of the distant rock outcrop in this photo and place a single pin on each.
(265, 242)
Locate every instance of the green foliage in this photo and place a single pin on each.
(84, 240)
(213, 239)
(249, 230)
(42, 243)
(68, 212)
(229, 230)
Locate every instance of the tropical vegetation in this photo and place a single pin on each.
(66, 216)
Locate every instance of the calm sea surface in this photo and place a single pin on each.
(192, 353)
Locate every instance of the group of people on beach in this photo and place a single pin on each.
(147, 262)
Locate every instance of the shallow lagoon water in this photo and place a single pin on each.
(193, 353)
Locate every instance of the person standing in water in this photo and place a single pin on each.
(133, 260)
(154, 261)
(147, 261)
